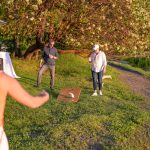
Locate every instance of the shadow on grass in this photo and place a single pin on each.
(54, 93)
(106, 142)
(27, 80)
(97, 146)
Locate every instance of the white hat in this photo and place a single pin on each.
(95, 47)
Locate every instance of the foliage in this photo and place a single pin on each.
(141, 62)
(141, 26)
(118, 25)
(106, 122)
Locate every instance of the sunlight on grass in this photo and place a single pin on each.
(107, 122)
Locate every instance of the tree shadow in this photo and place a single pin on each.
(97, 146)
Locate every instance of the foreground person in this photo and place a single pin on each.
(10, 86)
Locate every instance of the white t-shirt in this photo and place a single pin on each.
(98, 61)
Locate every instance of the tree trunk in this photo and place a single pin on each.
(34, 50)
(17, 50)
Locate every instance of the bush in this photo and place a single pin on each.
(141, 62)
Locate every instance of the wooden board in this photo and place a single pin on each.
(65, 96)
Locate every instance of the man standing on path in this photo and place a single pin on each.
(99, 63)
(50, 55)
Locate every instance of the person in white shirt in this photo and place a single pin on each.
(99, 63)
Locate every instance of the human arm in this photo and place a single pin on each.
(52, 57)
(90, 57)
(104, 69)
(13, 88)
(55, 55)
(104, 63)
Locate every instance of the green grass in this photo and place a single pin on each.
(106, 122)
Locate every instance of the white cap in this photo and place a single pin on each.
(95, 47)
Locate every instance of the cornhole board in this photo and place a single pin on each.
(64, 94)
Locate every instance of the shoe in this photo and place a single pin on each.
(36, 86)
(100, 93)
(52, 88)
(94, 94)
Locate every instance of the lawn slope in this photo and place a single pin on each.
(106, 122)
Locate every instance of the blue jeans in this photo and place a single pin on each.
(97, 79)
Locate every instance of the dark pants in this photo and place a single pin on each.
(97, 79)
(52, 74)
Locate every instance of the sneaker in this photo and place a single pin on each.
(52, 88)
(94, 94)
(100, 92)
(36, 86)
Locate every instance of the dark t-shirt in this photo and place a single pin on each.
(52, 51)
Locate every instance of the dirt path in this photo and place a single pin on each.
(136, 82)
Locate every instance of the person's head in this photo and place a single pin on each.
(96, 48)
(46, 44)
(51, 43)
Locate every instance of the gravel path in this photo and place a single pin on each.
(136, 82)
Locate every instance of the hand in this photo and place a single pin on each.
(54, 57)
(104, 70)
(44, 95)
(90, 59)
(51, 56)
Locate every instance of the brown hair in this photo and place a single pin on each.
(51, 40)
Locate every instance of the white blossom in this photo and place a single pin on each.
(35, 7)
(113, 5)
(32, 18)
(39, 2)
(27, 1)
(10, 1)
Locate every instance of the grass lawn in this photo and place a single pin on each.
(112, 121)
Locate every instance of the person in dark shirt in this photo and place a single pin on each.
(50, 55)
